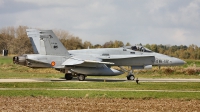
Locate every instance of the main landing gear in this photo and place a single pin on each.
(68, 76)
(80, 77)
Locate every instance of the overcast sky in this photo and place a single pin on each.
(174, 22)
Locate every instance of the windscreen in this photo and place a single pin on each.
(140, 48)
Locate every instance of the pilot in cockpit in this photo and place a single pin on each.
(140, 48)
(134, 48)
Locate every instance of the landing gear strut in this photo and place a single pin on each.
(130, 75)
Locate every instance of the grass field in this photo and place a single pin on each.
(185, 86)
(103, 90)
(99, 96)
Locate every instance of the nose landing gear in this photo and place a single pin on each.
(130, 75)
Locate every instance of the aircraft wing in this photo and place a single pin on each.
(129, 60)
(79, 60)
(124, 56)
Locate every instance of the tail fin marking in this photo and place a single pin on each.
(46, 42)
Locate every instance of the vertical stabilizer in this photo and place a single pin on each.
(34, 36)
(45, 42)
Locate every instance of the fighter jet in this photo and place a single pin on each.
(50, 53)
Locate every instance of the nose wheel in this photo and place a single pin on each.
(131, 76)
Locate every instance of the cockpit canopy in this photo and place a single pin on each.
(138, 48)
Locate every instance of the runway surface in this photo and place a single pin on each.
(100, 80)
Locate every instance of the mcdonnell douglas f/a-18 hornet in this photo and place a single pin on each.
(50, 53)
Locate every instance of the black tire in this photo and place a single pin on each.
(68, 76)
(81, 77)
(130, 77)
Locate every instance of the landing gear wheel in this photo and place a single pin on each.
(81, 77)
(130, 77)
(68, 76)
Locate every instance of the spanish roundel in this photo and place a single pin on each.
(53, 63)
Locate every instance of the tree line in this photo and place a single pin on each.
(15, 40)
(181, 51)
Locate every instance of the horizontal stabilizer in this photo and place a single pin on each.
(37, 61)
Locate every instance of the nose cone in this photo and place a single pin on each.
(178, 62)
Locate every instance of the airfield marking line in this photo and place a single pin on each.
(2, 89)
